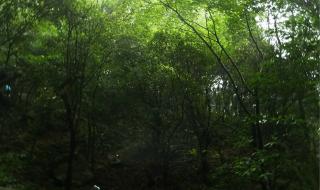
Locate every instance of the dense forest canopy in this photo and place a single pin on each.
(159, 94)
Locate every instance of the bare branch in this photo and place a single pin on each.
(252, 37)
(235, 87)
(227, 54)
(277, 35)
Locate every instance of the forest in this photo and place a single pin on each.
(159, 94)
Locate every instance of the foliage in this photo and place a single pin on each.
(159, 94)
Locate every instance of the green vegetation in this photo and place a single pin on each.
(159, 94)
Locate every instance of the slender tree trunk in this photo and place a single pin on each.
(72, 147)
(89, 140)
(265, 183)
(204, 165)
(259, 138)
(93, 148)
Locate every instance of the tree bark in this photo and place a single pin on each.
(72, 147)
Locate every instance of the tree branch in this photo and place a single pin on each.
(235, 87)
(227, 54)
(252, 37)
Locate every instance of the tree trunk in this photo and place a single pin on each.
(72, 147)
